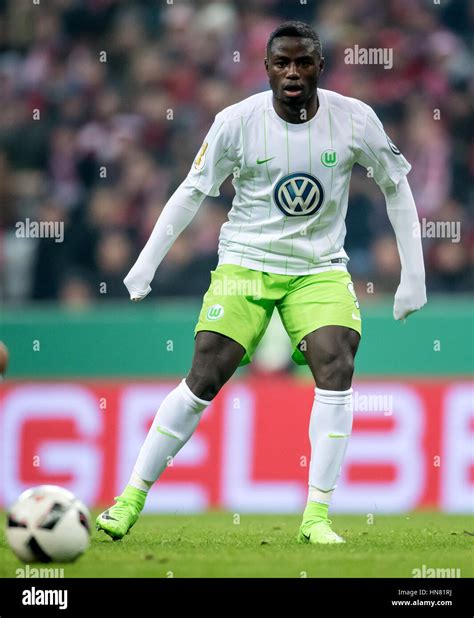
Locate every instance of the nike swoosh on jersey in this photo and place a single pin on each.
(338, 435)
(356, 317)
(260, 161)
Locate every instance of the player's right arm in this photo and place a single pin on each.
(175, 217)
(212, 165)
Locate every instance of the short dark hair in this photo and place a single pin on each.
(295, 28)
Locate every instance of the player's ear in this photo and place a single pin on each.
(321, 65)
(265, 61)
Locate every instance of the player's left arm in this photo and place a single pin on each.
(389, 169)
(411, 292)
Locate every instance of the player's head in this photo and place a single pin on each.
(294, 62)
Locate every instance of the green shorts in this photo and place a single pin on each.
(239, 304)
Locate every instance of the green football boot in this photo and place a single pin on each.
(119, 518)
(316, 527)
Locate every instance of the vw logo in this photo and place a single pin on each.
(298, 194)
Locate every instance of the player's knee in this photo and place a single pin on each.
(215, 360)
(204, 382)
(336, 374)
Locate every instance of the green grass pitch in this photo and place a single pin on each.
(212, 545)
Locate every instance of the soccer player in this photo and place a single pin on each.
(290, 150)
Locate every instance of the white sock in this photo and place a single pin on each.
(139, 483)
(329, 429)
(174, 423)
(316, 495)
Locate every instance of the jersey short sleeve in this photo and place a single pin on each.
(215, 160)
(378, 153)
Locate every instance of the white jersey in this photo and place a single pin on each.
(292, 180)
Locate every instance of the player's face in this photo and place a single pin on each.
(293, 67)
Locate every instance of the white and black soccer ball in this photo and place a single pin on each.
(48, 524)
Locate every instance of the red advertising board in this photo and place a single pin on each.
(411, 446)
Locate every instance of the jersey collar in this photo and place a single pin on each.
(301, 125)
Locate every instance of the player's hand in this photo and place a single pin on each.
(410, 297)
(136, 286)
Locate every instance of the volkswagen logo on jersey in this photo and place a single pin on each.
(298, 194)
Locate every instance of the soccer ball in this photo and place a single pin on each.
(48, 524)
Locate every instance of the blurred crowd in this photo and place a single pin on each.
(104, 104)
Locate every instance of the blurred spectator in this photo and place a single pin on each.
(429, 154)
(450, 271)
(76, 291)
(113, 259)
(386, 269)
(51, 254)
